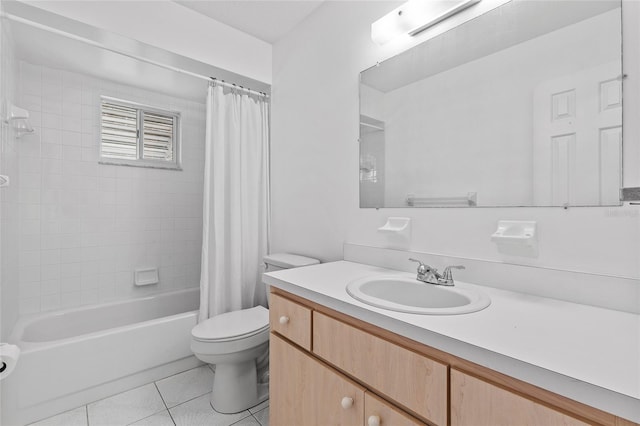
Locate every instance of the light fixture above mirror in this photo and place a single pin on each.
(414, 17)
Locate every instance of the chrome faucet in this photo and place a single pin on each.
(430, 275)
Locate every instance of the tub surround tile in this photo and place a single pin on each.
(60, 182)
(198, 412)
(159, 419)
(126, 407)
(77, 417)
(185, 386)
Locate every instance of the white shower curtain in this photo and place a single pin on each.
(236, 202)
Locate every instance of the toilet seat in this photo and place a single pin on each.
(231, 326)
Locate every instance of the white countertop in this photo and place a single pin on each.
(588, 354)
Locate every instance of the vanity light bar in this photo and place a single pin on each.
(460, 6)
(415, 16)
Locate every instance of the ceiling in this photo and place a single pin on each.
(268, 20)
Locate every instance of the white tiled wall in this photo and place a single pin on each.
(85, 227)
(8, 195)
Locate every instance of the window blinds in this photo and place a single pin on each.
(158, 137)
(130, 132)
(119, 131)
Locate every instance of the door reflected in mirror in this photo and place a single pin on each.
(521, 106)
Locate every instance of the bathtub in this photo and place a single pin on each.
(73, 357)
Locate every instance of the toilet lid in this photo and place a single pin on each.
(233, 325)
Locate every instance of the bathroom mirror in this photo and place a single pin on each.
(521, 106)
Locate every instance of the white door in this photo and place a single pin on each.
(577, 141)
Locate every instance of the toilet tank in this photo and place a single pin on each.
(279, 261)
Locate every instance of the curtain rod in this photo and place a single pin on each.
(237, 86)
(120, 52)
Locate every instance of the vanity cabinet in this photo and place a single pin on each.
(475, 402)
(406, 377)
(290, 320)
(378, 412)
(328, 368)
(306, 392)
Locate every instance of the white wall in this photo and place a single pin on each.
(84, 227)
(315, 162)
(174, 28)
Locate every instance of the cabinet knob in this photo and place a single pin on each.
(284, 319)
(346, 402)
(373, 421)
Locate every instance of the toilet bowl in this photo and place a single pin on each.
(238, 344)
(233, 341)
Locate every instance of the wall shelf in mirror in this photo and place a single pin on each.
(371, 124)
(469, 200)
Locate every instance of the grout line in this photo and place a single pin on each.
(189, 400)
(166, 407)
(150, 415)
(254, 415)
(161, 397)
(171, 417)
(257, 411)
(180, 372)
(256, 419)
(245, 418)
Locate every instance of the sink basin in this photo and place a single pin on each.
(409, 295)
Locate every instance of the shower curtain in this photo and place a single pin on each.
(236, 201)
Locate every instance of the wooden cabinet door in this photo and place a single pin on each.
(378, 412)
(475, 402)
(306, 392)
(290, 320)
(408, 378)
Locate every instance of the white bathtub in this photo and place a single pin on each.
(73, 357)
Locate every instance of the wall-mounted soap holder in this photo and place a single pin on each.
(396, 224)
(518, 232)
(397, 232)
(146, 276)
(516, 237)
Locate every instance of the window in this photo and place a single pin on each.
(138, 135)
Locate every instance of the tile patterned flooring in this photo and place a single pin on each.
(179, 400)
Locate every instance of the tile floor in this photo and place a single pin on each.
(179, 400)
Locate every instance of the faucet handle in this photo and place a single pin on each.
(447, 276)
(422, 267)
(455, 267)
(416, 260)
(426, 273)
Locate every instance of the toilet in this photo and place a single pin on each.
(238, 344)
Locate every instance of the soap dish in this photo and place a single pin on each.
(396, 224)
